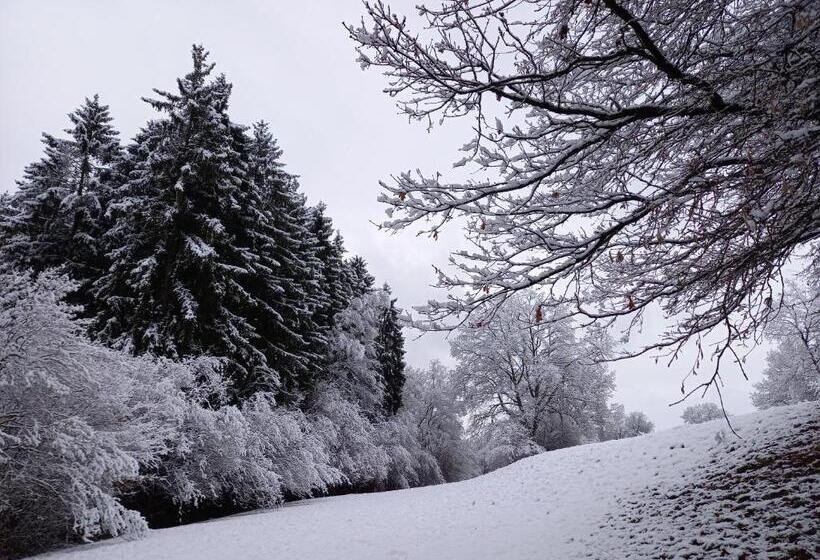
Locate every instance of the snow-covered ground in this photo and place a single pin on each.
(689, 492)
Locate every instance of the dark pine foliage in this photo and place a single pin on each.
(361, 281)
(288, 275)
(329, 249)
(390, 354)
(56, 218)
(180, 260)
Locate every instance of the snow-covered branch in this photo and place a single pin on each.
(624, 153)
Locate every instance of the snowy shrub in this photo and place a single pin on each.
(366, 440)
(349, 437)
(246, 457)
(616, 424)
(636, 424)
(293, 445)
(82, 425)
(432, 403)
(73, 424)
(703, 412)
(611, 422)
(409, 463)
(501, 443)
(215, 458)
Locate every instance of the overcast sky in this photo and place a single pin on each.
(291, 64)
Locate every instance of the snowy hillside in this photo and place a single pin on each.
(690, 492)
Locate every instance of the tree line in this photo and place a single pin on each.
(183, 334)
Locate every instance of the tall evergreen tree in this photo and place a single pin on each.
(55, 218)
(335, 282)
(361, 281)
(5, 206)
(177, 282)
(97, 152)
(390, 355)
(31, 228)
(288, 273)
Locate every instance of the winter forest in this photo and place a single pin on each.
(184, 335)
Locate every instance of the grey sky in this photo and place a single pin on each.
(291, 64)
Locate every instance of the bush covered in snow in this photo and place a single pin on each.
(433, 404)
(703, 412)
(615, 423)
(76, 421)
(85, 429)
(82, 425)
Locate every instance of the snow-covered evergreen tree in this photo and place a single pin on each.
(178, 284)
(287, 272)
(5, 206)
(335, 280)
(390, 355)
(30, 228)
(361, 281)
(55, 218)
(97, 151)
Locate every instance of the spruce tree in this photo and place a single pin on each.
(97, 151)
(390, 355)
(177, 282)
(361, 281)
(5, 206)
(32, 232)
(288, 271)
(334, 279)
(55, 218)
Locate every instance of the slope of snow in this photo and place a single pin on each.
(677, 493)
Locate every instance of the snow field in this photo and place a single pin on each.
(609, 500)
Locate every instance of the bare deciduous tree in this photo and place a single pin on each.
(624, 154)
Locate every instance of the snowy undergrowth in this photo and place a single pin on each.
(693, 491)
